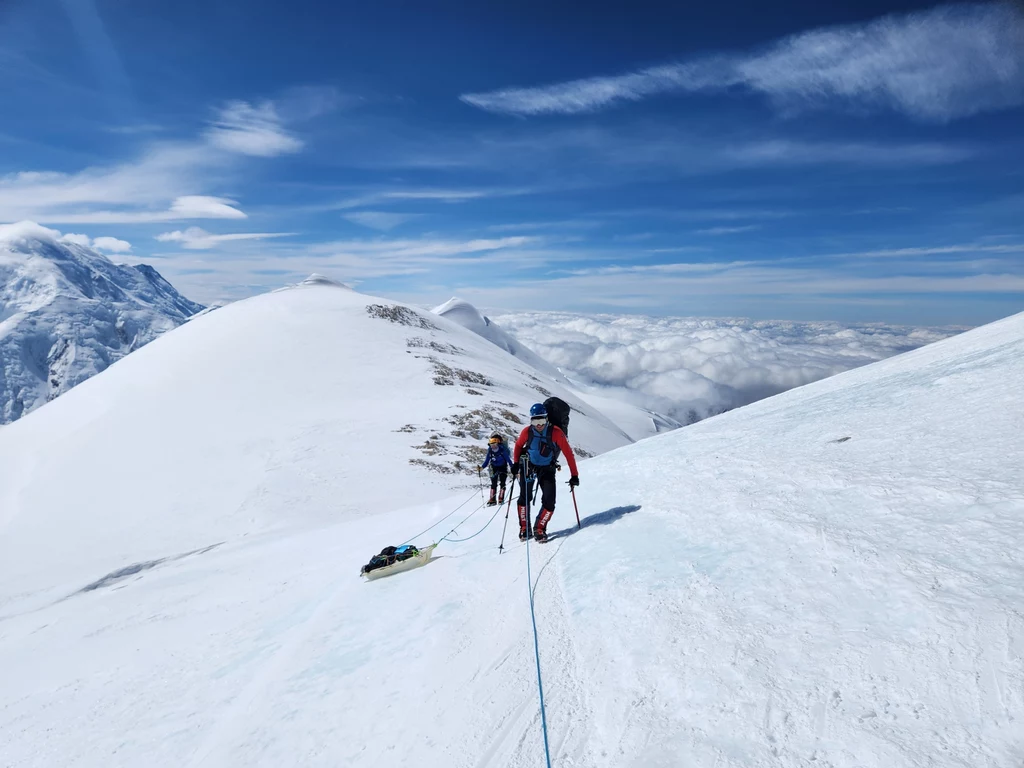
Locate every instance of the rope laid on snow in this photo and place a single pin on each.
(413, 538)
(456, 541)
(480, 506)
(486, 526)
(536, 655)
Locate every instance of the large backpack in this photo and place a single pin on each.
(558, 413)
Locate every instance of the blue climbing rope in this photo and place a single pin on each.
(486, 525)
(536, 655)
(413, 538)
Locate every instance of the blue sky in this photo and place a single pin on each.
(802, 160)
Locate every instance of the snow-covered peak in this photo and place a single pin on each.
(317, 279)
(465, 314)
(68, 312)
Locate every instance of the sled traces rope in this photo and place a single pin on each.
(413, 538)
(486, 526)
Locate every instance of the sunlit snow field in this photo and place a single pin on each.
(827, 577)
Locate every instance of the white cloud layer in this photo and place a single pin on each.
(107, 244)
(941, 64)
(690, 368)
(205, 207)
(111, 245)
(241, 127)
(197, 239)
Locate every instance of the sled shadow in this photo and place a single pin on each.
(607, 517)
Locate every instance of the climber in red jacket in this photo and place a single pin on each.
(542, 442)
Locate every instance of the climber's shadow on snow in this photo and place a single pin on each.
(607, 517)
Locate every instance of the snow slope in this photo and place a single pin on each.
(829, 577)
(300, 407)
(67, 312)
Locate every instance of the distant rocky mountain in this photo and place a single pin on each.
(67, 312)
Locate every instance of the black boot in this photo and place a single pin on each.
(524, 524)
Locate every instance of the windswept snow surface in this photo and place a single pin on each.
(67, 312)
(830, 577)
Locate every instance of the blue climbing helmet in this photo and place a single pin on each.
(538, 411)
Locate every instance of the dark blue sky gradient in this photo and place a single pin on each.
(344, 147)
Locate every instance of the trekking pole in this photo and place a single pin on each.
(573, 492)
(501, 547)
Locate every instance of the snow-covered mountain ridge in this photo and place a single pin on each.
(465, 314)
(638, 422)
(67, 313)
(829, 577)
(300, 407)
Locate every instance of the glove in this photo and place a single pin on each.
(574, 481)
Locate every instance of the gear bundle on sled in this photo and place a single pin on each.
(395, 560)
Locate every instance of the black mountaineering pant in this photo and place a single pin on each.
(546, 481)
(499, 474)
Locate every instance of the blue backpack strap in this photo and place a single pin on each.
(545, 437)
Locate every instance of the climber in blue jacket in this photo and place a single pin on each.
(499, 460)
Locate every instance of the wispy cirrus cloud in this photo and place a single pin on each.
(453, 195)
(382, 220)
(938, 65)
(413, 254)
(941, 250)
(753, 287)
(251, 130)
(606, 153)
(198, 239)
(182, 208)
(785, 152)
(161, 182)
(717, 231)
(235, 275)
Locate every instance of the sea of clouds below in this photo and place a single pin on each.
(691, 368)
